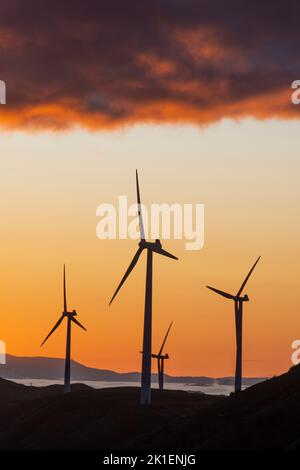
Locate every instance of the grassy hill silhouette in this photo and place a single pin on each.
(265, 416)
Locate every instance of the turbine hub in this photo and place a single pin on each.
(150, 245)
(160, 356)
(70, 314)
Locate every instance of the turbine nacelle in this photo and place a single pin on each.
(160, 356)
(70, 314)
(150, 245)
(156, 247)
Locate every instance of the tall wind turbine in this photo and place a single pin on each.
(151, 247)
(238, 309)
(161, 360)
(71, 318)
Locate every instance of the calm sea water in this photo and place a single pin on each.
(214, 389)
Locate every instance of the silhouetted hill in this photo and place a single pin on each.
(88, 418)
(53, 369)
(265, 416)
(14, 392)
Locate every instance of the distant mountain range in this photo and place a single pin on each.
(47, 368)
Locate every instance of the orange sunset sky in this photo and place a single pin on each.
(245, 173)
(199, 100)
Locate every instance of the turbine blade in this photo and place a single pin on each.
(165, 339)
(142, 230)
(65, 294)
(247, 277)
(77, 323)
(53, 329)
(162, 252)
(220, 292)
(130, 268)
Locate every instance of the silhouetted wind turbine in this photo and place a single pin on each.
(151, 247)
(238, 309)
(71, 318)
(161, 359)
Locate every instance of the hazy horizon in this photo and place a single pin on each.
(137, 371)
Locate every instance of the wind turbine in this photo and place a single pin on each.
(151, 247)
(238, 309)
(71, 318)
(161, 359)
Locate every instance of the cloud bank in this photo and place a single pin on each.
(104, 64)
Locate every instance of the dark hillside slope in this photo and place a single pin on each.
(264, 416)
(91, 419)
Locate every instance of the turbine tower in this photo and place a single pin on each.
(161, 360)
(71, 318)
(238, 310)
(150, 247)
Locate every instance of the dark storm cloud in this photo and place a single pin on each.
(109, 63)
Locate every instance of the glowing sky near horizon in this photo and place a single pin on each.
(247, 175)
